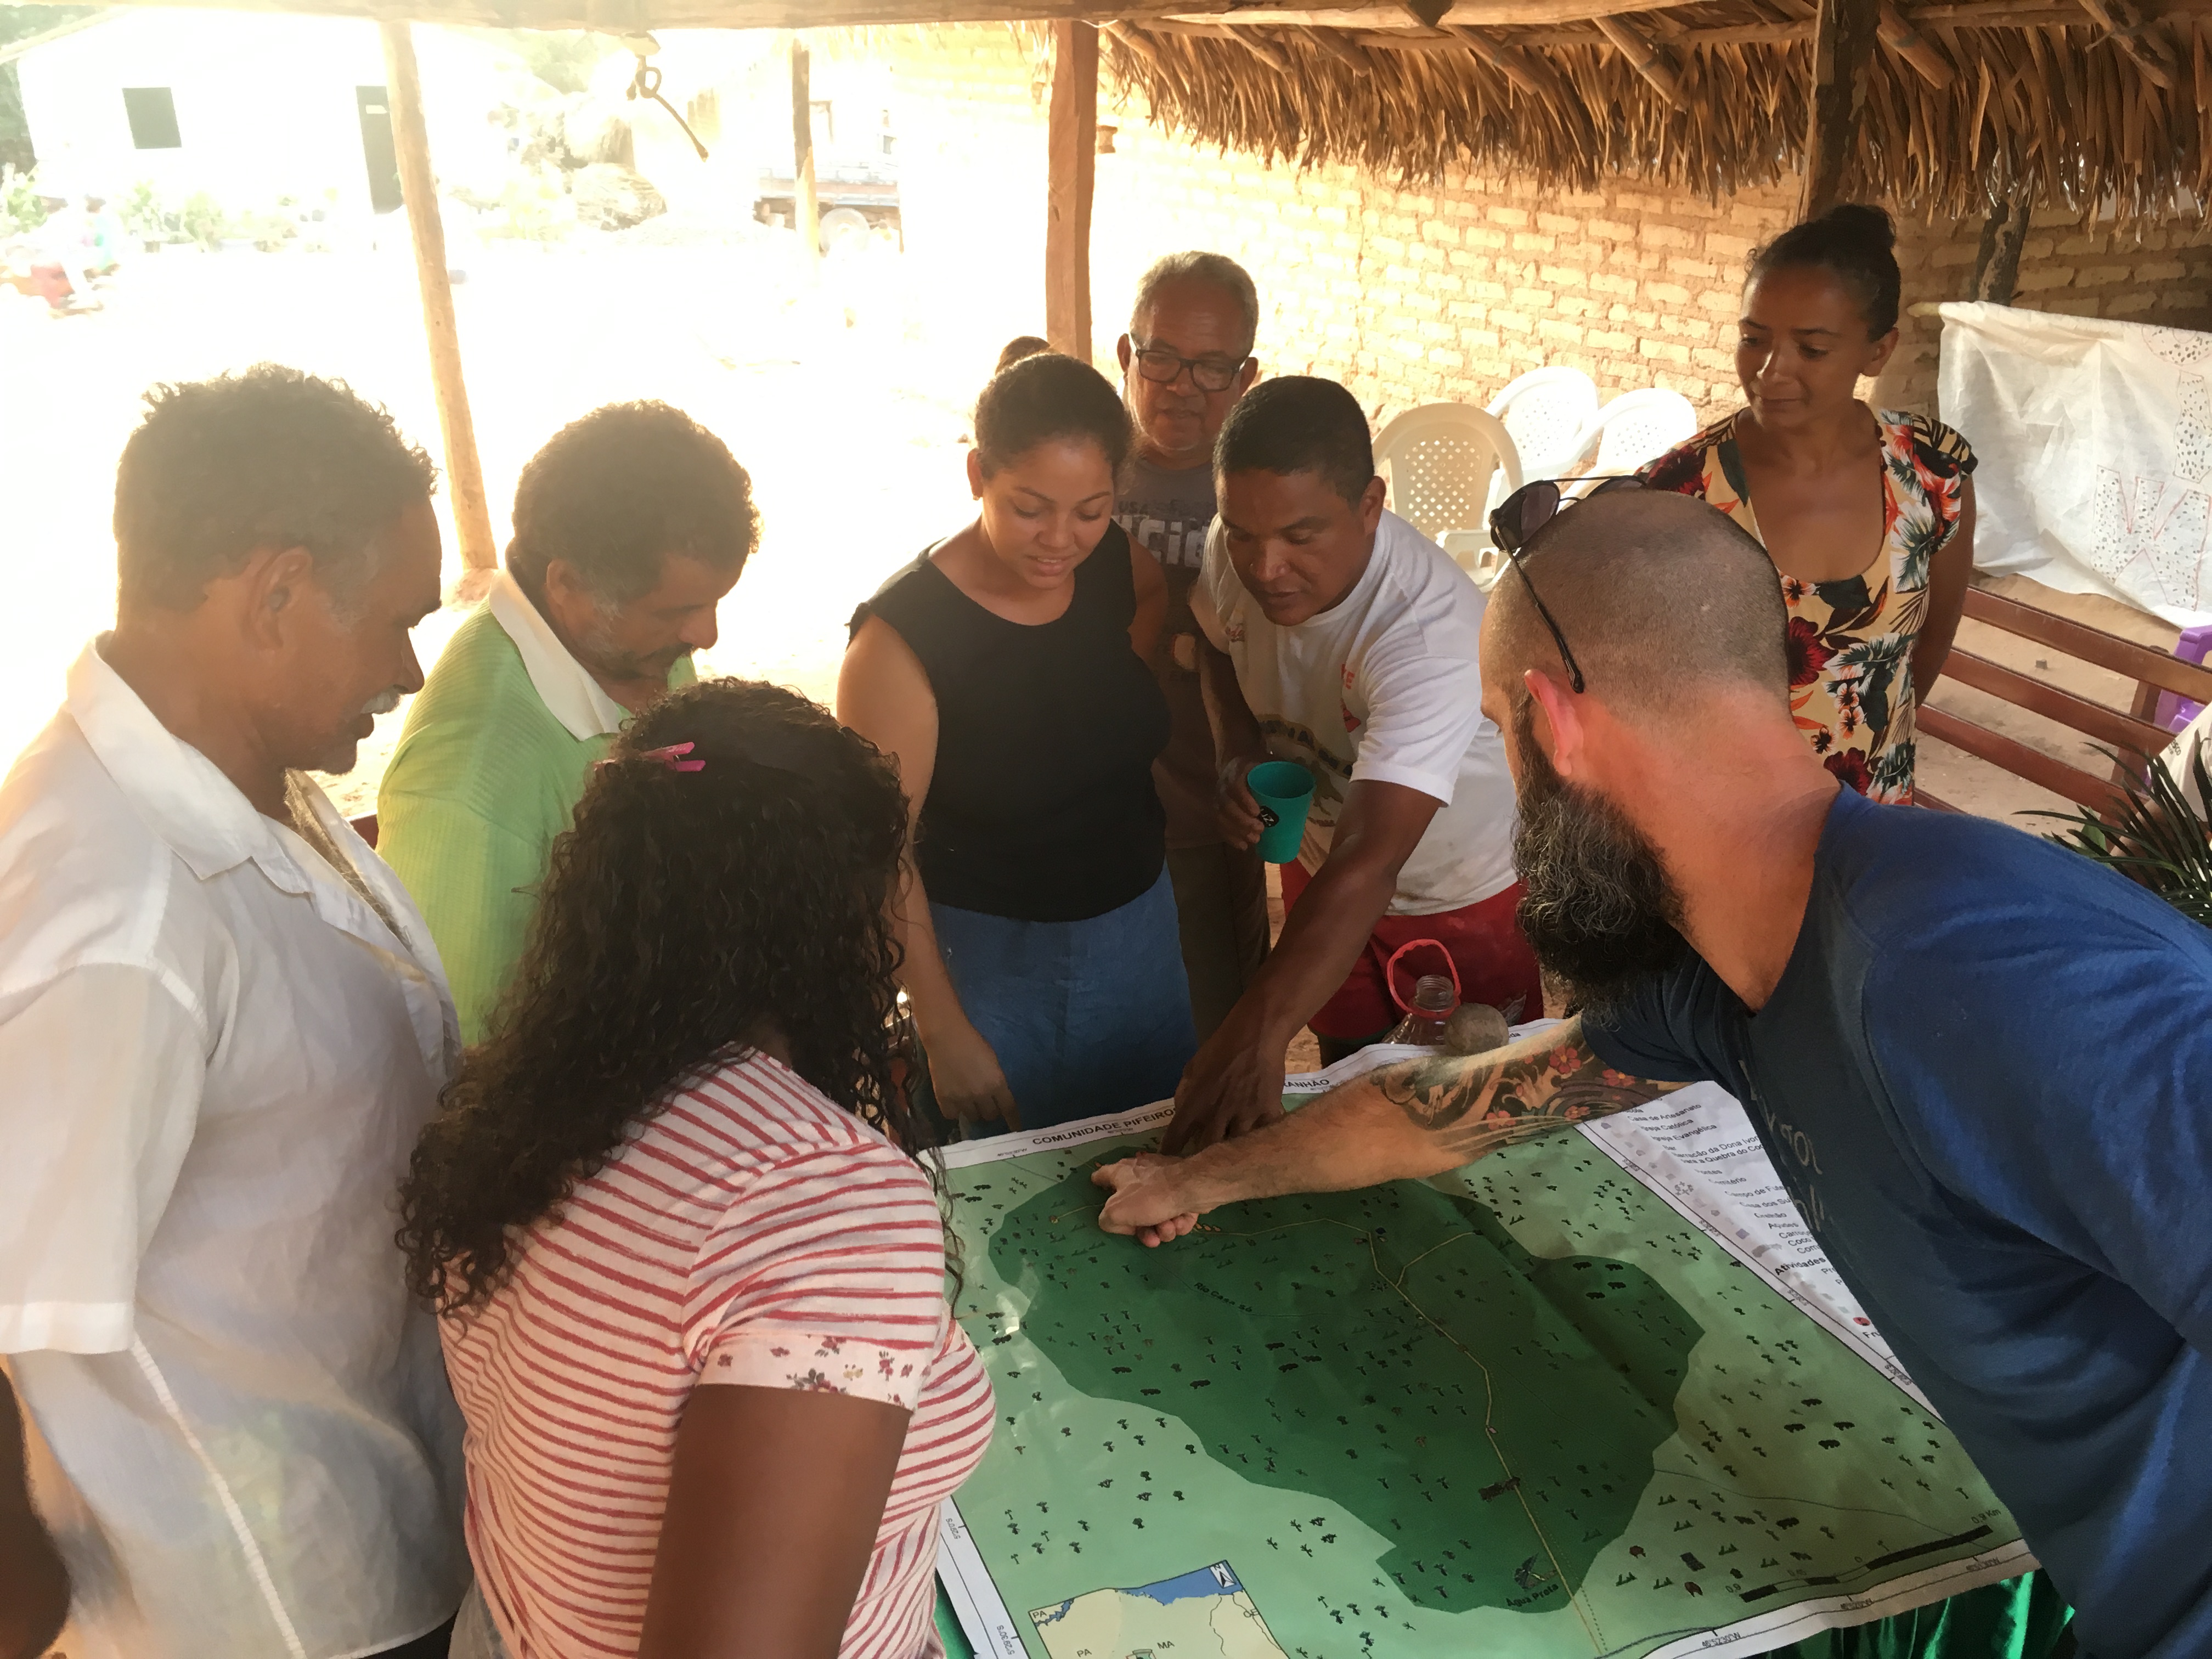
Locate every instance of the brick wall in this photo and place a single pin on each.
(1411, 295)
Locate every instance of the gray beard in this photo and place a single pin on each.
(1598, 907)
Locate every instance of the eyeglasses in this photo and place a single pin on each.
(1166, 368)
(1514, 525)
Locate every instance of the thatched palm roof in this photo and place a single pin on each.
(1992, 99)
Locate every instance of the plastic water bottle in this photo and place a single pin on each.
(1424, 1024)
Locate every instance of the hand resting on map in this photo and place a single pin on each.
(1145, 1198)
(1420, 1118)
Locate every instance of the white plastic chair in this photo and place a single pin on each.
(1440, 460)
(1547, 411)
(1635, 427)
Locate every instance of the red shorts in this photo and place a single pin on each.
(1493, 961)
(51, 284)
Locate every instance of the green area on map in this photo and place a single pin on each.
(1528, 1408)
(1491, 1497)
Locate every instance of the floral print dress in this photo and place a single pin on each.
(1850, 641)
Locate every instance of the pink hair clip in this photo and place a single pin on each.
(671, 758)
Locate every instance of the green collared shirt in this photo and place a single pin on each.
(486, 775)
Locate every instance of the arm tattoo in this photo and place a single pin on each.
(1475, 1104)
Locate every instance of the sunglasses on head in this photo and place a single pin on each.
(1514, 525)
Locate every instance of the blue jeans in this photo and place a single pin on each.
(1085, 1017)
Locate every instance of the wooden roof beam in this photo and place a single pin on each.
(1335, 44)
(621, 17)
(1134, 38)
(1646, 59)
(1532, 76)
(1488, 14)
(1262, 48)
(1734, 34)
(1908, 43)
(1392, 24)
(2136, 36)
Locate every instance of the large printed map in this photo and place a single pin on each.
(1532, 1408)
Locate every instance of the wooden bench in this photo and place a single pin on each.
(2151, 670)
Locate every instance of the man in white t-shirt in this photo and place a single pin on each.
(222, 1026)
(1344, 640)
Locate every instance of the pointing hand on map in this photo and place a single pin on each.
(967, 1077)
(1148, 1199)
(1233, 1084)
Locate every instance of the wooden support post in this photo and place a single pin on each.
(418, 189)
(1072, 151)
(805, 202)
(1843, 43)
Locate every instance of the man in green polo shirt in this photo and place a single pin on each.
(630, 527)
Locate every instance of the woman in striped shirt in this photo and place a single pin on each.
(693, 1290)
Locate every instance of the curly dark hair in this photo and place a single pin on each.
(612, 494)
(685, 913)
(269, 458)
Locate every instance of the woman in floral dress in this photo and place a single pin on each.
(1869, 517)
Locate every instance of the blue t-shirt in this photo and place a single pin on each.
(1985, 1078)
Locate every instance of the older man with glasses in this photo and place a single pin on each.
(1185, 361)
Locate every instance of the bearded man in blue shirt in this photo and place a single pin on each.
(1978, 1062)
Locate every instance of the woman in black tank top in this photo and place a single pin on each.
(1005, 670)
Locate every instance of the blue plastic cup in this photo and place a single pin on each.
(1283, 791)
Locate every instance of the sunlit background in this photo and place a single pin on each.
(843, 389)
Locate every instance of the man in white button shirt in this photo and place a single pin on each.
(223, 1024)
(1342, 639)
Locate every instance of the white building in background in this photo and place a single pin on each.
(259, 110)
(252, 108)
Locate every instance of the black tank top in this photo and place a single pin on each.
(1042, 806)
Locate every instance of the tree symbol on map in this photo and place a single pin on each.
(1457, 1412)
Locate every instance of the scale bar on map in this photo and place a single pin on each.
(975, 1600)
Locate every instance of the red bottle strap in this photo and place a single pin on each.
(1390, 971)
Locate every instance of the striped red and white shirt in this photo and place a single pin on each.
(753, 1232)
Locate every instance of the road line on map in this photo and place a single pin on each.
(1489, 1401)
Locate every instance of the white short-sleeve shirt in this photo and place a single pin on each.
(1385, 684)
(215, 1060)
